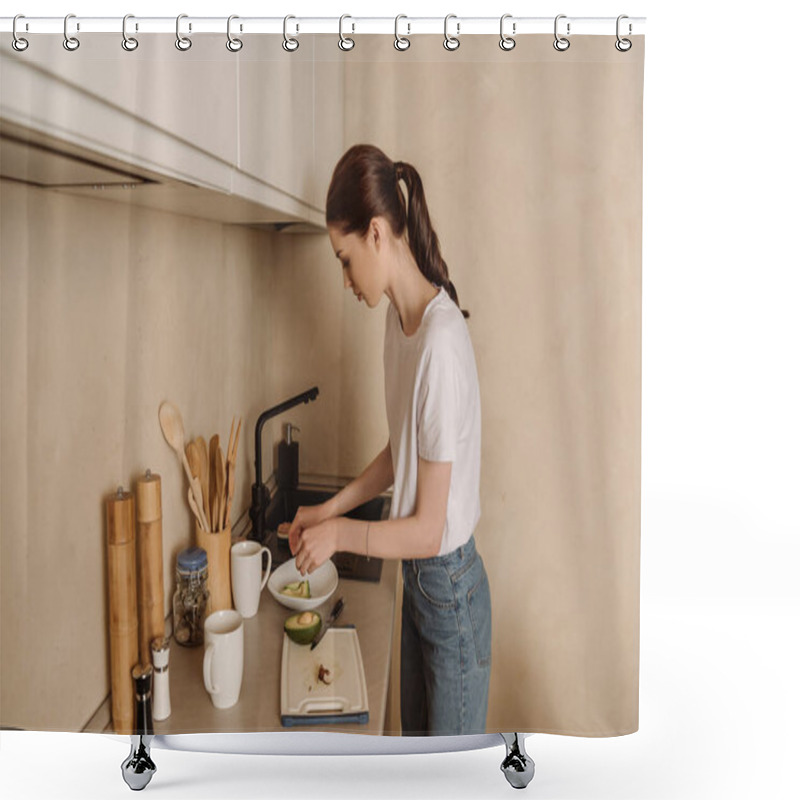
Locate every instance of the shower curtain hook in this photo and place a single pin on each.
(507, 42)
(451, 42)
(183, 43)
(561, 44)
(345, 43)
(129, 43)
(18, 43)
(290, 44)
(623, 45)
(70, 42)
(400, 42)
(233, 44)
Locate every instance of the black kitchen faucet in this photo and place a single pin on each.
(260, 495)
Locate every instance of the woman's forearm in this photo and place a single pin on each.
(407, 537)
(376, 478)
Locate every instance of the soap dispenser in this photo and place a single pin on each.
(288, 459)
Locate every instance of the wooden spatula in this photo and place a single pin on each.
(202, 448)
(213, 449)
(220, 499)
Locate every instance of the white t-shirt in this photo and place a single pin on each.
(434, 410)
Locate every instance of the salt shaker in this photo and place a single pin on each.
(159, 648)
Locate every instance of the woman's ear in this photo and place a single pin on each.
(377, 232)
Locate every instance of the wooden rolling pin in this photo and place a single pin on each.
(150, 562)
(122, 616)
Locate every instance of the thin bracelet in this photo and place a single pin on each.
(368, 524)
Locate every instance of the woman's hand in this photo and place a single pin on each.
(306, 517)
(317, 545)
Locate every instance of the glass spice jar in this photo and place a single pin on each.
(191, 597)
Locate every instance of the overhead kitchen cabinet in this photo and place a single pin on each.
(329, 145)
(196, 132)
(291, 116)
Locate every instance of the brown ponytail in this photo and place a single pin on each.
(366, 184)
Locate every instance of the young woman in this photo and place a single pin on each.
(387, 246)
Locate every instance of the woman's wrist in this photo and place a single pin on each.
(329, 508)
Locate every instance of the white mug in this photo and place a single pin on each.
(223, 662)
(246, 577)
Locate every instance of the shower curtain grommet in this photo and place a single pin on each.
(183, 43)
(129, 43)
(507, 42)
(623, 45)
(71, 43)
(233, 44)
(561, 43)
(451, 43)
(400, 42)
(290, 44)
(345, 43)
(17, 42)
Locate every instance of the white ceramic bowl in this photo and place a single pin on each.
(322, 582)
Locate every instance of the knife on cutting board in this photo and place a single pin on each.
(337, 609)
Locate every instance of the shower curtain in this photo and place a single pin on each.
(163, 238)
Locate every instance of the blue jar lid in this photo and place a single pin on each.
(192, 559)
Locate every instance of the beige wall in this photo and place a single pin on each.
(107, 310)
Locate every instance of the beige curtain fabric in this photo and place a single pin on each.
(532, 167)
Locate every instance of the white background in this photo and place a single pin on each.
(719, 613)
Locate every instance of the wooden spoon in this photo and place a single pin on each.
(172, 428)
(193, 457)
(203, 448)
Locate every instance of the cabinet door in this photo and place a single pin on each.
(187, 100)
(276, 114)
(329, 64)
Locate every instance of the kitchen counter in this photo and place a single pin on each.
(369, 606)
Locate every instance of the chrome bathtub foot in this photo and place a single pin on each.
(138, 768)
(517, 766)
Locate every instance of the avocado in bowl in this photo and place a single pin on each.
(322, 583)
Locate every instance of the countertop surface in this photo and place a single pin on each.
(368, 605)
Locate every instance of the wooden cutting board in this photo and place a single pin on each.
(305, 700)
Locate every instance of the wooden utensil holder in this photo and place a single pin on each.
(218, 550)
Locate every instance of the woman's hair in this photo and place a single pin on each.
(366, 184)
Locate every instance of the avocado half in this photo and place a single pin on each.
(300, 589)
(302, 628)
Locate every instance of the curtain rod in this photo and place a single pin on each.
(406, 26)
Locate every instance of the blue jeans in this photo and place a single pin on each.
(446, 655)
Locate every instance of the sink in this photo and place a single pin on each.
(283, 507)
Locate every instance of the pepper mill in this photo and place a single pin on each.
(159, 649)
(138, 768)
